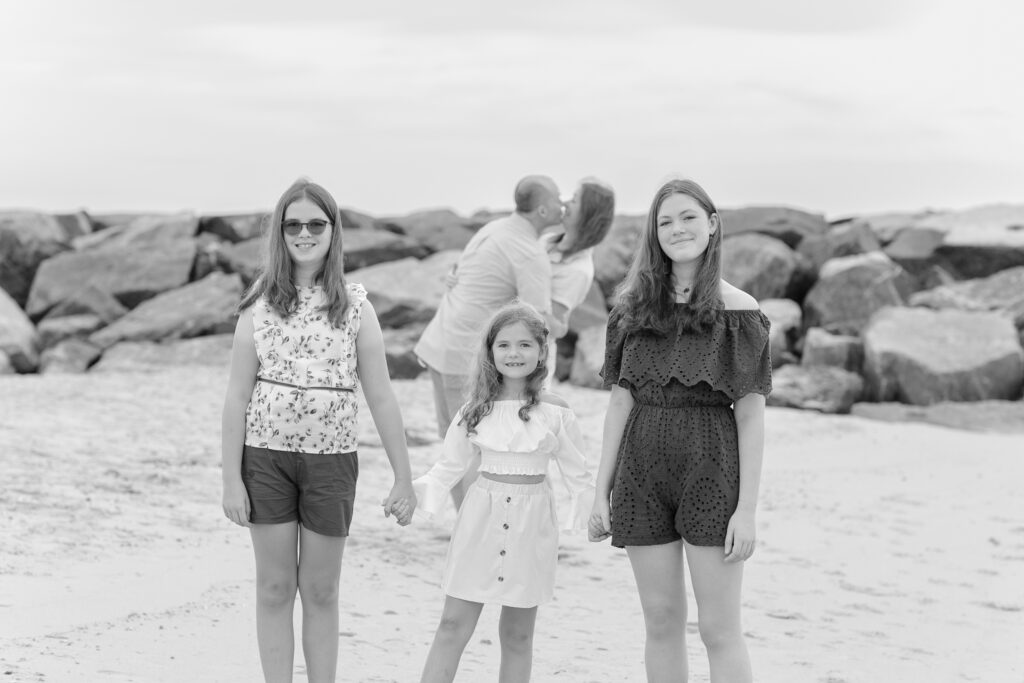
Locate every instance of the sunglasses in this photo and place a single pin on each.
(315, 226)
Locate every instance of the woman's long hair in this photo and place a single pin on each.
(646, 297)
(485, 381)
(274, 280)
(596, 213)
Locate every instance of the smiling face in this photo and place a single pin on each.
(684, 228)
(515, 351)
(305, 248)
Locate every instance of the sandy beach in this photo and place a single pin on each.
(887, 551)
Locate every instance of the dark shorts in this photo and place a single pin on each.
(317, 490)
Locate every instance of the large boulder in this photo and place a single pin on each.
(130, 274)
(764, 267)
(364, 248)
(888, 226)
(614, 254)
(832, 350)
(408, 290)
(398, 351)
(791, 226)
(89, 300)
(73, 355)
(980, 241)
(915, 250)
(6, 367)
(846, 238)
(235, 228)
(207, 306)
(787, 324)
(1003, 292)
(212, 351)
(52, 330)
(356, 220)
(75, 224)
(19, 341)
(593, 312)
(920, 356)
(436, 229)
(143, 231)
(27, 239)
(851, 288)
(821, 388)
(244, 258)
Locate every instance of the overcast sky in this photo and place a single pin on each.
(393, 105)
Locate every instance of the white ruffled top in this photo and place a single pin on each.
(505, 444)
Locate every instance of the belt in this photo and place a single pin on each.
(297, 386)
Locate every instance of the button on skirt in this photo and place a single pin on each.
(504, 546)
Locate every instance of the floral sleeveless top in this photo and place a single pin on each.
(305, 397)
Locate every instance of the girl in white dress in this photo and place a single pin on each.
(504, 546)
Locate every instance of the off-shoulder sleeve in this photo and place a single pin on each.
(753, 358)
(572, 464)
(459, 455)
(614, 340)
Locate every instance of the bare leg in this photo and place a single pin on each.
(458, 621)
(319, 573)
(275, 546)
(515, 630)
(660, 580)
(716, 585)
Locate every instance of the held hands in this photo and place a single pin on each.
(401, 503)
(740, 536)
(599, 527)
(236, 503)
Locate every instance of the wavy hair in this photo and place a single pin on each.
(485, 382)
(596, 213)
(646, 296)
(274, 279)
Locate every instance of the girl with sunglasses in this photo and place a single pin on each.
(305, 342)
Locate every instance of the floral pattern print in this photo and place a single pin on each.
(306, 401)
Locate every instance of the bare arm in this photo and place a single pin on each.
(620, 403)
(244, 368)
(741, 536)
(380, 397)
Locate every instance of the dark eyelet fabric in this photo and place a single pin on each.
(677, 474)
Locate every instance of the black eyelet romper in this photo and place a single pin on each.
(677, 473)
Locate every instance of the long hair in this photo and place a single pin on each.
(646, 296)
(274, 279)
(485, 381)
(596, 212)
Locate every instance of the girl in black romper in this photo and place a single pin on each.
(687, 361)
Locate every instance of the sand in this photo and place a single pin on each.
(887, 551)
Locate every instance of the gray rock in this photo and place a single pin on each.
(130, 274)
(235, 228)
(614, 254)
(1002, 292)
(920, 356)
(52, 330)
(851, 288)
(143, 231)
(89, 300)
(211, 351)
(821, 388)
(788, 225)
(75, 224)
(356, 220)
(848, 238)
(207, 306)
(244, 258)
(593, 312)
(980, 241)
(762, 266)
(27, 239)
(889, 226)
(398, 346)
(19, 340)
(408, 290)
(436, 229)
(364, 248)
(70, 356)
(787, 323)
(832, 350)
(6, 367)
(588, 357)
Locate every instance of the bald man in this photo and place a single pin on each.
(504, 261)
